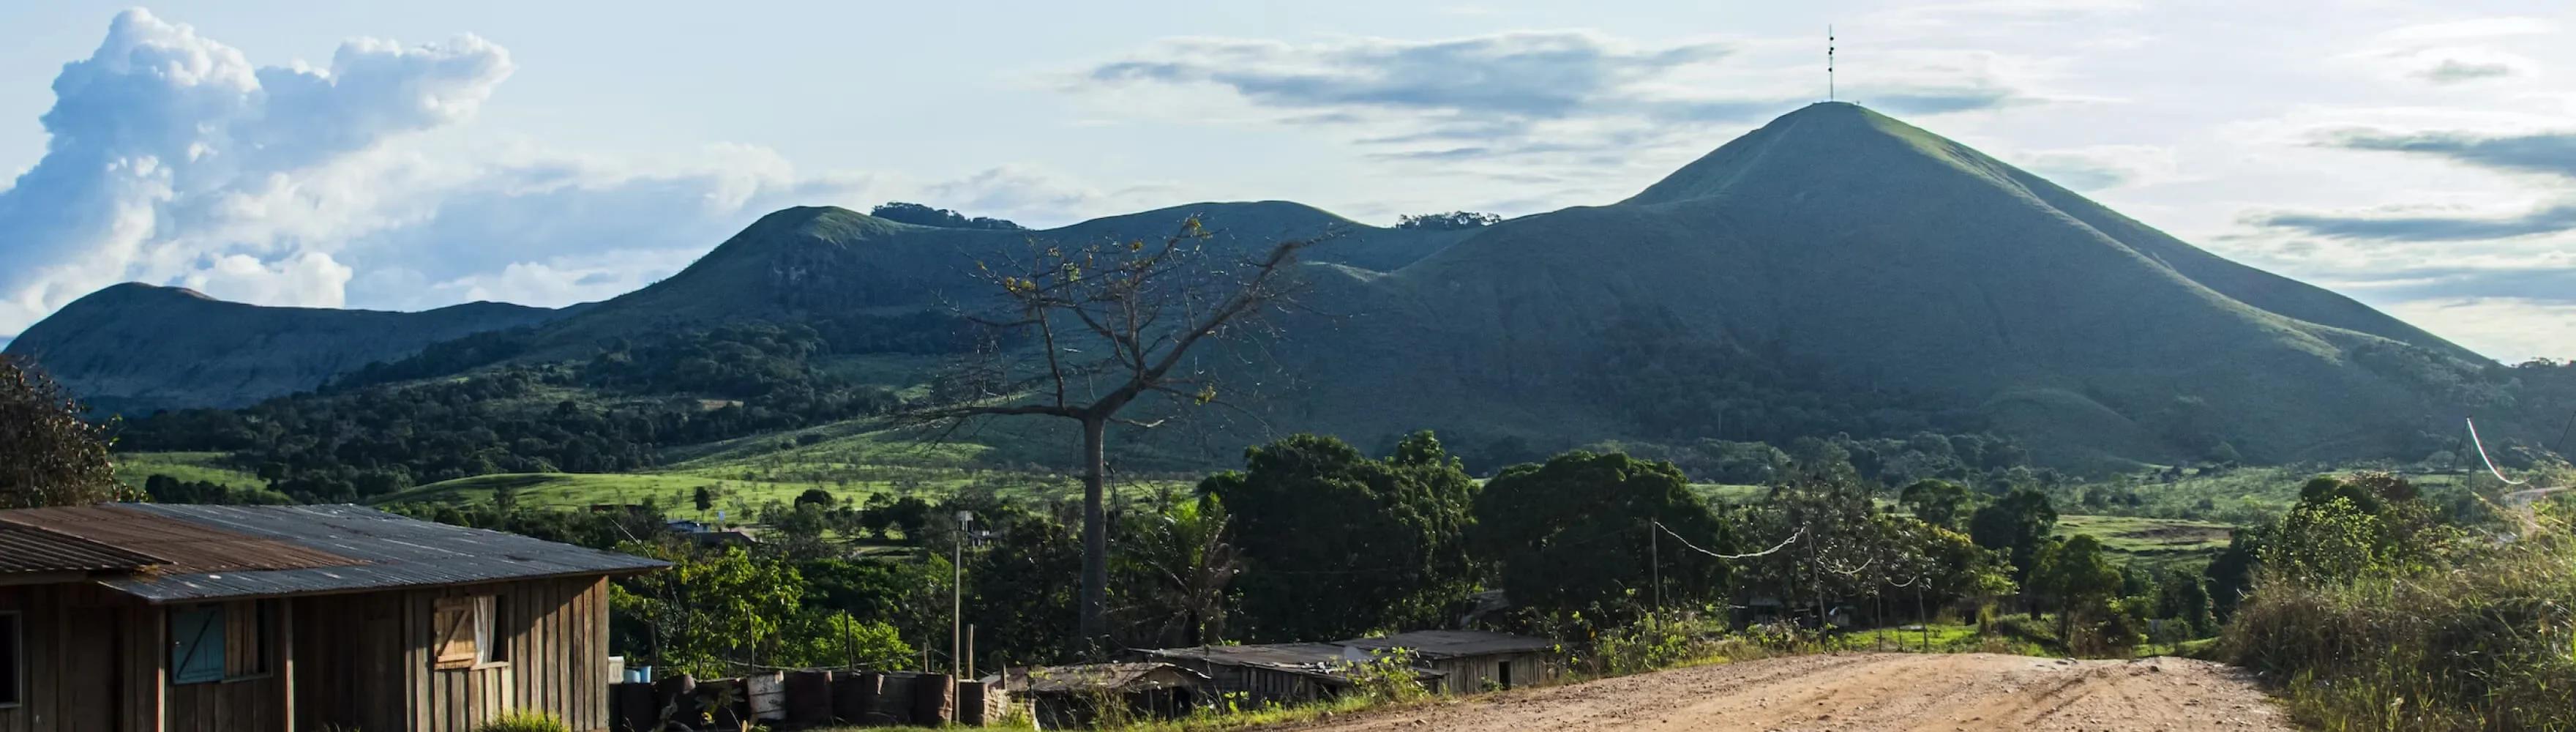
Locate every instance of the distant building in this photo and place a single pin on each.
(181, 618)
(1068, 697)
(1283, 673)
(1470, 661)
(709, 535)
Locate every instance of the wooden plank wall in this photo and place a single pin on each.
(35, 605)
(359, 661)
(91, 657)
(346, 674)
(379, 674)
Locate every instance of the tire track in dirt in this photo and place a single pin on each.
(1855, 692)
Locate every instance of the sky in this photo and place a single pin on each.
(2419, 156)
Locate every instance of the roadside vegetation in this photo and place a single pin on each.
(2376, 609)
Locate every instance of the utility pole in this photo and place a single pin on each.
(957, 596)
(1655, 559)
(1829, 62)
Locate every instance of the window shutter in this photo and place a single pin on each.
(454, 623)
(197, 645)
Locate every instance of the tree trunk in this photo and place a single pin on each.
(1094, 600)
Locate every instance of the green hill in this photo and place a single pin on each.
(1834, 272)
(135, 348)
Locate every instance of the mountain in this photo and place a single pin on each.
(1835, 271)
(815, 261)
(1843, 241)
(136, 348)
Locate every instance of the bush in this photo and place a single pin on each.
(523, 722)
(2482, 645)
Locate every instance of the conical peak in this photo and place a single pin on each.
(1819, 135)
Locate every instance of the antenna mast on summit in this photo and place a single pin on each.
(1829, 62)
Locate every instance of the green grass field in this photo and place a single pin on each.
(132, 468)
(2151, 540)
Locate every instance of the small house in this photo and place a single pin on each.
(1470, 661)
(178, 618)
(1282, 673)
(1065, 697)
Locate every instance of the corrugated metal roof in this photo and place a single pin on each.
(187, 546)
(1433, 644)
(27, 550)
(383, 551)
(1278, 655)
(1323, 661)
(1124, 677)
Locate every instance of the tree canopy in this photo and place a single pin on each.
(1447, 221)
(1337, 544)
(914, 213)
(1573, 535)
(49, 456)
(2017, 524)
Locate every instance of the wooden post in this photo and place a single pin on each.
(285, 660)
(1655, 559)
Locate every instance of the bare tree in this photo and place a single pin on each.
(1084, 333)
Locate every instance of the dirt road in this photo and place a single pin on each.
(1876, 691)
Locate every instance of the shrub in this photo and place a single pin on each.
(2481, 645)
(524, 722)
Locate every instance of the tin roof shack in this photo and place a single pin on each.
(178, 618)
(1470, 661)
(1280, 673)
(1070, 697)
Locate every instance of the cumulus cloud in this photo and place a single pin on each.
(162, 136)
(173, 159)
(1563, 94)
(311, 279)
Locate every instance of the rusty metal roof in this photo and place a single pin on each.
(29, 550)
(374, 550)
(1323, 661)
(1437, 644)
(1122, 677)
(186, 546)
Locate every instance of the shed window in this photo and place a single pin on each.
(468, 631)
(216, 642)
(197, 644)
(13, 661)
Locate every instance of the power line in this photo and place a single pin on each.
(1784, 544)
(2482, 453)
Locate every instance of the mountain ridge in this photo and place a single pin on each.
(1837, 248)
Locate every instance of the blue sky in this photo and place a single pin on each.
(2420, 156)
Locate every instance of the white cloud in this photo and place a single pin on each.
(311, 279)
(2101, 167)
(173, 159)
(162, 141)
(1572, 97)
(2509, 329)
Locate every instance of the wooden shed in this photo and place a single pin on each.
(1280, 673)
(1070, 697)
(141, 617)
(1470, 661)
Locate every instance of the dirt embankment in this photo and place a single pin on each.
(1879, 691)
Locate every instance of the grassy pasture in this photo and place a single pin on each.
(132, 468)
